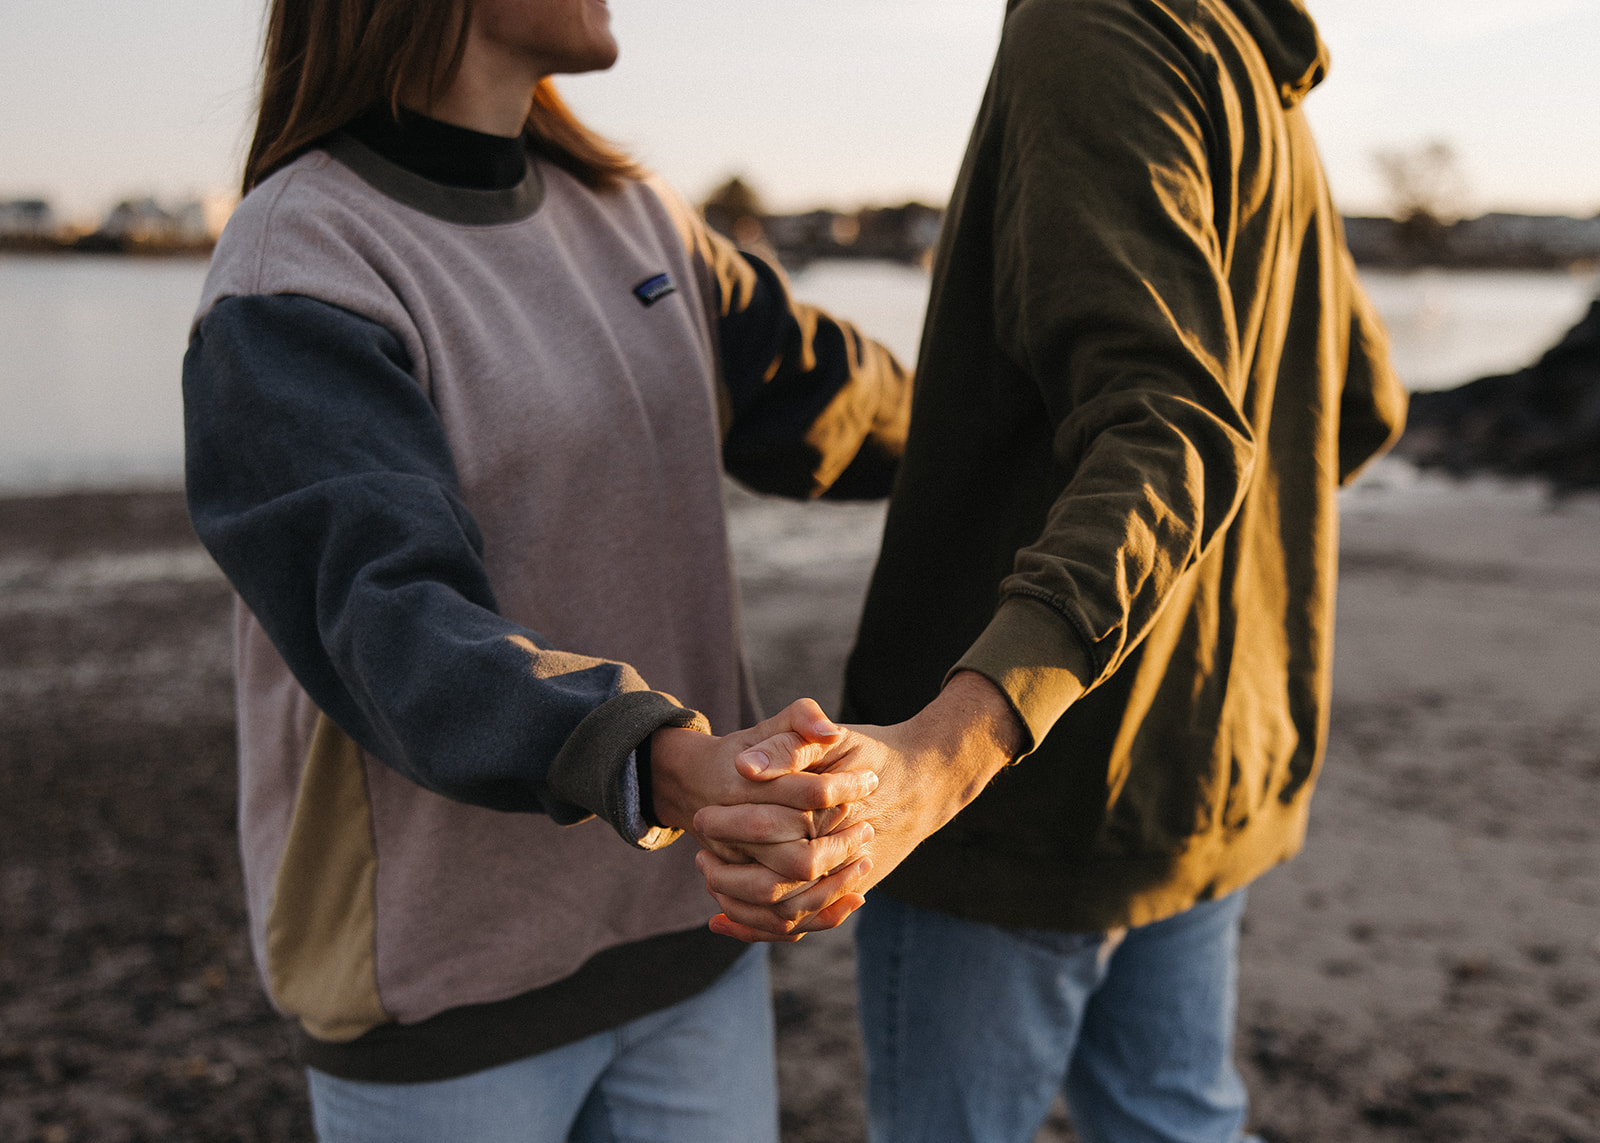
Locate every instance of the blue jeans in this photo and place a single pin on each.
(971, 1029)
(699, 1072)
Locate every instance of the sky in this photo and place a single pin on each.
(836, 102)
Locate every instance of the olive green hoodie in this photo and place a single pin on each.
(1146, 369)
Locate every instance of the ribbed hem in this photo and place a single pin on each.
(1092, 894)
(613, 987)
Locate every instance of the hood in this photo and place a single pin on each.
(1288, 39)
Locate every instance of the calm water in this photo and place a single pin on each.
(90, 351)
(90, 348)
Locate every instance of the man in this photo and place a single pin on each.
(1112, 547)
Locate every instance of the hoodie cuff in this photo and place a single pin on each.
(1036, 659)
(597, 768)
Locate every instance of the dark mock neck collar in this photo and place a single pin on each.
(449, 172)
(442, 152)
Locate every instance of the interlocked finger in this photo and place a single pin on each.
(747, 881)
(810, 791)
(821, 906)
(810, 858)
(752, 824)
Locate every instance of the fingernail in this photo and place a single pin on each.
(757, 760)
(824, 728)
(872, 780)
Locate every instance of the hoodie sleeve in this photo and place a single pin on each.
(1372, 406)
(1112, 296)
(320, 479)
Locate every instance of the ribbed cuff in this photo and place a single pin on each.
(1035, 657)
(595, 769)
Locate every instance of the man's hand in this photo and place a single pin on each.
(797, 823)
(929, 768)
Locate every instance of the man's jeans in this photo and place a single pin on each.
(698, 1072)
(971, 1029)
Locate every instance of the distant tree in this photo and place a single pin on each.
(1425, 189)
(737, 197)
(735, 209)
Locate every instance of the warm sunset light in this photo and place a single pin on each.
(1083, 513)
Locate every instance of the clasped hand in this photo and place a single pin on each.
(822, 812)
(801, 826)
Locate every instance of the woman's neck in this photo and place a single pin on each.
(491, 92)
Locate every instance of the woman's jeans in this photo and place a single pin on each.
(971, 1029)
(698, 1072)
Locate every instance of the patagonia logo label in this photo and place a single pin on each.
(652, 290)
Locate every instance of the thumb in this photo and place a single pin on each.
(794, 739)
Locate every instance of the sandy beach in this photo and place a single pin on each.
(1429, 968)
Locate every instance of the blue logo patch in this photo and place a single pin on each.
(652, 290)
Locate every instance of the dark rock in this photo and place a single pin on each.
(1542, 421)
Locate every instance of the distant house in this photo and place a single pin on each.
(144, 224)
(1372, 240)
(28, 220)
(899, 233)
(1494, 240)
(896, 234)
(1526, 239)
(800, 238)
(140, 222)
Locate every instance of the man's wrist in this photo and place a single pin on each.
(990, 721)
(968, 734)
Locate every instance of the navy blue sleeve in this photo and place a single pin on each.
(320, 479)
(816, 409)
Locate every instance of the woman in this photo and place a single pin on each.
(459, 396)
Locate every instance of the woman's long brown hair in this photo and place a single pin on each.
(324, 62)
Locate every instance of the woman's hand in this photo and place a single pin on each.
(797, 825)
